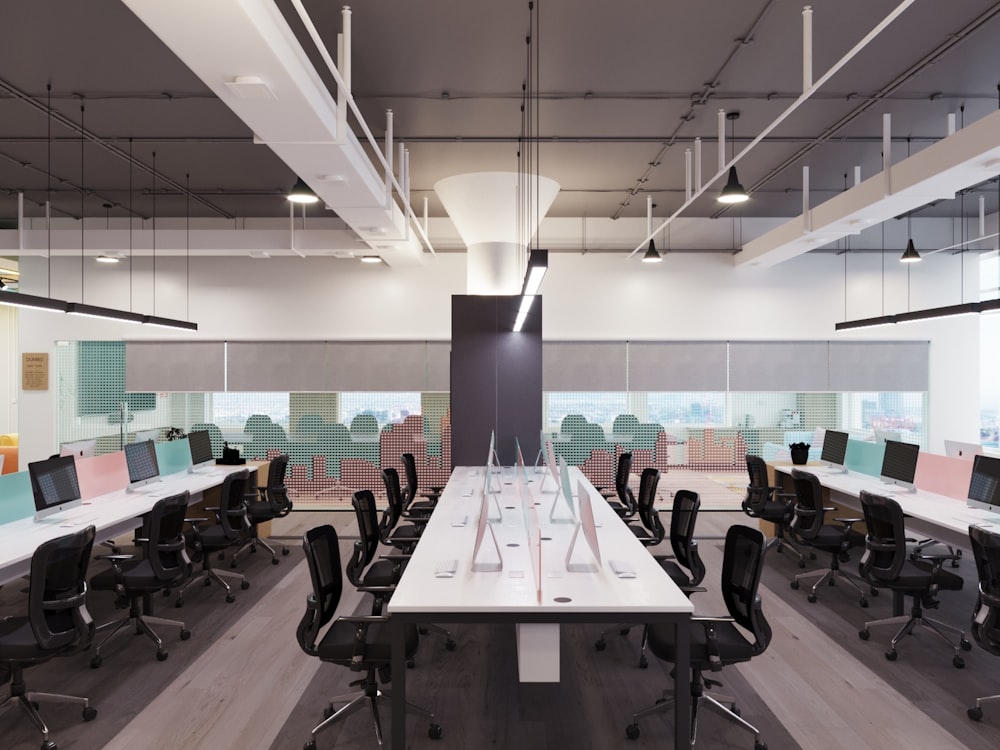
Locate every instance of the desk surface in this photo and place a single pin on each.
(939, 510)
(112, 514)
(514, 589)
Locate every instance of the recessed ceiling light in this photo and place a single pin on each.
(107, 259)
(371, 259)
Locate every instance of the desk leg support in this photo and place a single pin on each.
(682, 685)
(398, 629)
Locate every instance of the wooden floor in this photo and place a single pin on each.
(242, 682)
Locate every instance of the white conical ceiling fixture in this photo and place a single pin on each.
(484, 206)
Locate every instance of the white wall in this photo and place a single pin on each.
(593, 296)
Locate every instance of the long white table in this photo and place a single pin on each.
(535, 600)
(112, 514)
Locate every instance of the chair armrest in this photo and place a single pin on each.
(711, 639)
(114, 558)
(708, 618)
(414, 519)
(692, 590)
(848, 521)
(396, 556)
(373, 590)
(364, 619)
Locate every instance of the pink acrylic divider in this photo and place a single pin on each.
(99, 475)
(943, 475)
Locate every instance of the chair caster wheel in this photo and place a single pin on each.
(422, 630)
(643, 662)
(758, 745)
(233, 563)
(410, 664)
(811, 598)
(632, 731)
(274, 561)
(245, 585)
(222, 555)
(95, 662)
(734, 709)
(207, 582)
(624, 631)
(434, 731)
(185, 634)
(779, 547)
(975, 714)
(891, 654)
(795, 585)
(49, 745)
(230, 598)
(450, 645)
(966, 646)
(161, 655)
(328, 712)
(863, 603)
(284, 551)
(864, 635)
(600, 645)
(89, 713)
(873, 591)
(179, 603)
(802, 563)
(832, 582)
(958, 662)
(844, 557)
(310, 745)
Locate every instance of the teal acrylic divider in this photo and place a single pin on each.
(16, 500)
(864, 457)
(173, 456)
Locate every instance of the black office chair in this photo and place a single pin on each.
(684, 566)
(397, 527)
(57, 623)
(379, 577)
(809, 526)
(411, 492)
(769, 504)
(648, 529)
(625, 505)
(986, 615)
(273, 503)
(226, 533)
(164, 564)
(887, 562)
(716, 642)
(363, 644)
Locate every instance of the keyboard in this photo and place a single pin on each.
(445, 568)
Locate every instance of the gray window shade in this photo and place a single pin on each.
(677, 365)
(174, 366)
(276, 366)
(438, 366)
(879, 365)
(779, 365)
(584, 366)
(377, 366)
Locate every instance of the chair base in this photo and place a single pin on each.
(624, 629)
(369, 694)
(780, 542)
(449, 640)
(142, 623)
(20, 696)
(698, 695)
(831, 576)
(208, 577)
(911, 621)
(257, 541)
(976, 713)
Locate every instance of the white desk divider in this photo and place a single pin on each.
(551, 466)
(589, 528)
(566, 494)
(479, 562)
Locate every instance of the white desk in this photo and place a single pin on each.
(512, 594)
(112, 514)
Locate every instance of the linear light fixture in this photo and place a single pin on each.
(107, 313)
(16, 299)
(948, 311)
(538, 264)
(161, 322)
(522, 312)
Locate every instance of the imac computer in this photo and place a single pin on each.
(201, 450)
(984, 486)
(54, 485)
(956, 449)
(835, 449)
(142, 466)
(79, 448)
(143, 435)
(899, 463)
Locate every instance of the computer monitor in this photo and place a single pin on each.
(956, 449)
(834, 448)
(143, 435)
(984, 486)
(79, 448)
(201, 448)
(142, 465)
(54, 485)
(899, 463)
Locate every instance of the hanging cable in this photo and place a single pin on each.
(154, 233)
(83, 195)
(187, 246)
(48, 195)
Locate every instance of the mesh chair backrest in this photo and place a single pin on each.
(166, 550)
(625, 496)
(885, 542)
(648, 514)
(367, 546)
(809, 516)
(57, 593)
(758, 491)
(742, 563)
(394, 494)
(986, 615)
(277, 492)
(682, 523)
(232, 514)
(410, 469)
(323, 555)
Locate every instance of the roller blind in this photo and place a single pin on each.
(584, 366)
(276, 366)
(677, 365)
(879, 365)
(174, 366)
(778, 365)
